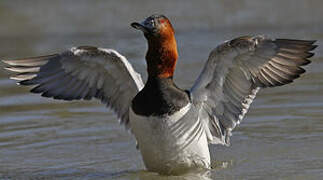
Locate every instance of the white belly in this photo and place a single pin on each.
(171, 144)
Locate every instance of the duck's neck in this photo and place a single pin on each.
(161, 56)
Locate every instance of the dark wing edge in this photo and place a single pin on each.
(81, 73)
(234, 73)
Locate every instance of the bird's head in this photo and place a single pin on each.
(155, 26)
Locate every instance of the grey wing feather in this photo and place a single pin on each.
(234, 73)
(81, 73)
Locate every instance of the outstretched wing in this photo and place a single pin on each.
(81, 73)
(234, 73)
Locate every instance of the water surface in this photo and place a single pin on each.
(280, 138)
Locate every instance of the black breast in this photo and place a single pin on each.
(159, 97)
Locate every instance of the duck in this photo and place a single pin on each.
(173, 127)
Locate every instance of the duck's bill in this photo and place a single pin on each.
(140, 26)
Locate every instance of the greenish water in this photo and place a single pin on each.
(280, 138)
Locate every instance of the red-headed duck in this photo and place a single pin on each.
(172, 126)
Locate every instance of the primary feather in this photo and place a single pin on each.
(81, 73)
(234, 73)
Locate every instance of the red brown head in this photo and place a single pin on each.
(162, 49)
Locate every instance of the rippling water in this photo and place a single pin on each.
(281, 137)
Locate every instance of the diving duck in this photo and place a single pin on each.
(173, 126)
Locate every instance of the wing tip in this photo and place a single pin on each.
(299, 41)
(313, 47)
(307, 45)
(8, 69)
(7, 62)
(4, 61)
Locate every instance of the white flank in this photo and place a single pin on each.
(170, 144)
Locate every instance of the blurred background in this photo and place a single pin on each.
(281, 137)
